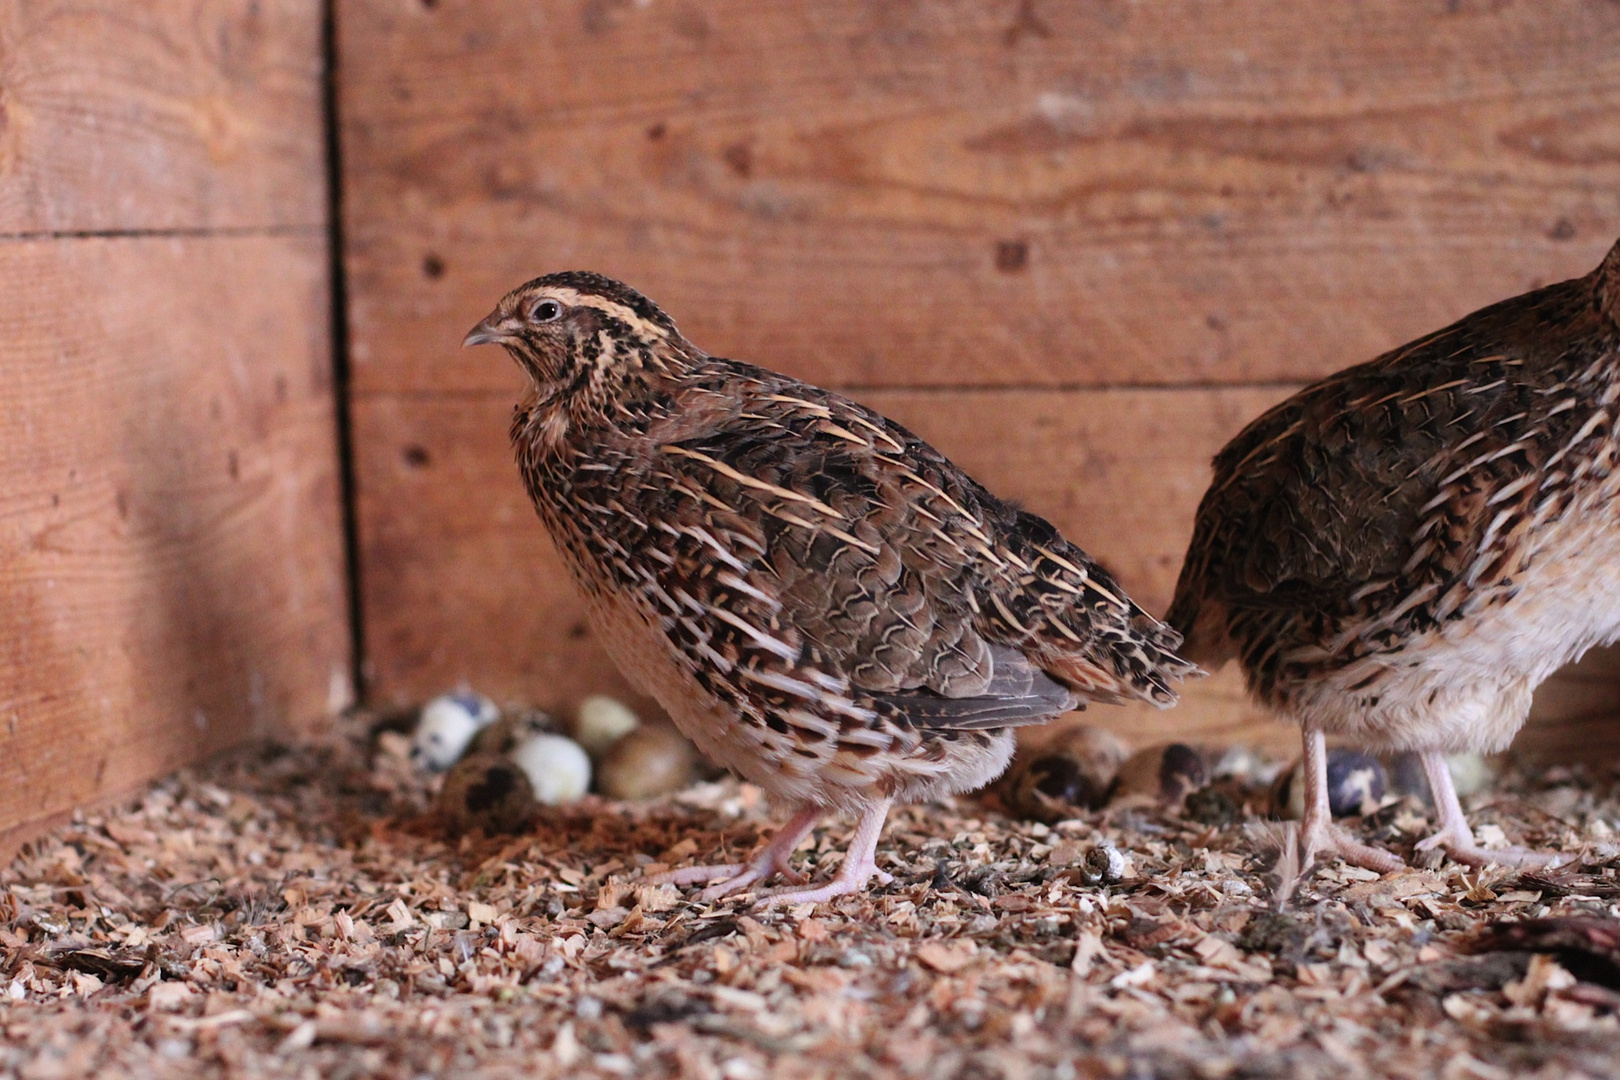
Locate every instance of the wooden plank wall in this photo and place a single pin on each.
(1076, 245)
(171, 555)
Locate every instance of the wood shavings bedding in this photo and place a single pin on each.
(296, 913)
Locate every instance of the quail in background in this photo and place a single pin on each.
(1400, 553)
(820, 600)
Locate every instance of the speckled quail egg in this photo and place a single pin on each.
(1103, 865)
(447, 724)
(1066, 774)
(1356, 783)
(515, 727)
(487, 791)
(1164, 774)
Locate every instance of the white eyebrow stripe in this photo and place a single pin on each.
(574, 298)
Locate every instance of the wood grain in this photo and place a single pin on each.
(171, 562)
(188, 115)
(461, 584)
(954, 193)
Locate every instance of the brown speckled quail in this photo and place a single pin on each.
(1402, 552)
(820, 600)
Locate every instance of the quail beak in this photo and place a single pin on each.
(487, 332)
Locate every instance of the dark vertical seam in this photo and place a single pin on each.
(342, 398)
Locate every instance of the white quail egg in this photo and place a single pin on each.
(557, 767)
(1470, 773)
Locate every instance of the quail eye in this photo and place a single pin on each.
(547, 310)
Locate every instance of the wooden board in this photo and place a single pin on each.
(171, 573)
(463, 587)
(171, 563)
(183, 115)
(955, 193)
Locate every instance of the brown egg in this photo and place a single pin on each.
(650, 761)
(486, 791)
(1063, 775)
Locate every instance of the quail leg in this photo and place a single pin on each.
(1317, 833)
(1454, 834)
(770, 859)
(858, 868)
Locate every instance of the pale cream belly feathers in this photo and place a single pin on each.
(1467, 686)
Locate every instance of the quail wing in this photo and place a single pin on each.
(852, 578)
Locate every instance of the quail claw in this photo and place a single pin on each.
(1332, 840)
(858, 868)
(1469, 853)
(697, 875)
(770, 860)
(1457, 838)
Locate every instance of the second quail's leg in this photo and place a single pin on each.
(770, 859)
(1454, 834)
(1317, 833)
(858, 868)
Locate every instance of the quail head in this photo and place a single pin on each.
(820, 600)
(1400, 553)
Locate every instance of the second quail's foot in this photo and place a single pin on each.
(1317, 834)
(1463, 849)
(1457, 838)
(770, 860)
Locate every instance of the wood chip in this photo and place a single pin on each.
(947, 958)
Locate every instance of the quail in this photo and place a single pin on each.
(821, 601)
(1400, 553)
